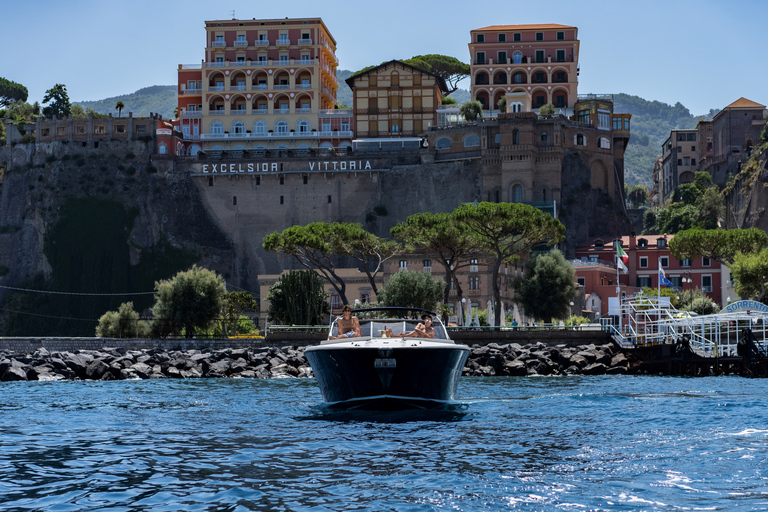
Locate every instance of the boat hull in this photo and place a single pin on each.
(386, 374)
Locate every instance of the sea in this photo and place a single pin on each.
(573, 443)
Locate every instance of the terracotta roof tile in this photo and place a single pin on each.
(545, 26)
(744, 103)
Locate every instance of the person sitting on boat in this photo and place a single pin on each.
(348, 325)
(422, 330)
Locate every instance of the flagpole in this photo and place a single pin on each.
(658, 287)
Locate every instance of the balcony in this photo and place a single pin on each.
(221, 112)
(305, 41)
(192, 91)
(259, 63)
(283, 42)
(261, 42)
(194, 114)
(215, 64)
(336, 112)
(238, 111)
(241, 43)
(305, 62)
(303, 110)
(260, 111)
(216, 88)
(281, 87)
(283, 110)
(303, 86)
(259, 87)
(219, 44)
(237, 88)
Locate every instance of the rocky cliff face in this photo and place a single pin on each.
(746, 198)
(98, 222)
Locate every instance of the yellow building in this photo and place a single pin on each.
(264, 85)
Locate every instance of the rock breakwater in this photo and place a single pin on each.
(287, 362)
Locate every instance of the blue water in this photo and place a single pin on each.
(574, 443)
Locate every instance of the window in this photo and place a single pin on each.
(517, 37)
(680, 137)
(480, 38)
(335, 301)
(282, 200)
(473, 267)
(560, 77)
(474, 283)
(260, 127)
(502, 59)
(560, 100)
(691, 136)
(680, 162)
(543, 136)
(643, 282)
(642, 242)
(706, 283)
(282, 180)
(234, 200)
(664, 261)
(471, 141)
(330, 199)
(302, 126)
(660, 242)
(281, 126)
(539, 55)
(443, 143)
(502, 38)
(517, 194)
(561, 36)
(604, 143)
(238, 127)
(617, 123)
(693, 161)
(706, 262)
(480, 58)
(427, 265)
(603, 121)
(560, 55)
(515, 137)
(581, 281)
(217, 127)
(643, 261)
(539, 36)
(583, 116)
(685, 263)
(687, 160)
(417, 79)
(517, 58)
(403, 265)
(142, 128)
(581, 140)
(394, 80)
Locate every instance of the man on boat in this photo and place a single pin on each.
(422, 330)
(349, 326)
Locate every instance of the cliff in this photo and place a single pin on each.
(746, 196)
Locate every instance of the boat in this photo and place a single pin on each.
(386, 365)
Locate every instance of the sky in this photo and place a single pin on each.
(704, 54)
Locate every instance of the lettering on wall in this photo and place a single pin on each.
(260, 167)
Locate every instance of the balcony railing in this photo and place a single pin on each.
(335, 112)
(305, 62)
(260, 111)
(239, 111)
(192, 91)
(237, 88)
(303, 110)
(217, 112)
(218, 44)
(303, 86)
(283, 110)
(259, 87)
(192, 114)
(216, 88)
(215, 64)
(278, 135)
(281, 87)
(283, 41)
(241, 43)
(261, 42)
(305, 41)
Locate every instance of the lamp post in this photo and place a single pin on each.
(570, 317)
(687, 278)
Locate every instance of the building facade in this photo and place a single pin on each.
(395, 100)
(264, 85)
(535, 64)
(679, 159)
(645, 254)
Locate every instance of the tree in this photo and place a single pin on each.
(11, 92)
(298, 298)
(59, 102)
(547, 110)
(442, 236)
(750, 270)
(412, 289)
(471, 110)
(367, 249)
(234, 304)
(311, 246)
(450, 69)
(191, 299)
(638, 196)
(119, 107)
(123, 323)
(696, 300)
(720, 245)
(506, 231)
(547, 286)
(448, 101)
(502, 104)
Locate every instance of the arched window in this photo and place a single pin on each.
(281, 126)
(443, 143)
(217, 127)
(517, 194)
(162, 148)
(605, 143)
(497, 138)
(302, 126)
(260, 126)
(515, 137)
(238, 127)
(543, 136)
(517, 57)
(193, 150)
(471, 141)
(580, 139)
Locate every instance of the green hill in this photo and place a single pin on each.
(160, 99)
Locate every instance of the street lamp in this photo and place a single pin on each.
(570, 317)
(687, 278)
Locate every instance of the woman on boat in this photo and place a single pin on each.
(349, 326)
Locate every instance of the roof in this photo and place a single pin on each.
(440, 80)
(745, 103)
(545, 26)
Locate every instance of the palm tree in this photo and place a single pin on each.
(120, 106)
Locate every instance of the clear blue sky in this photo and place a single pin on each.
(704, 54)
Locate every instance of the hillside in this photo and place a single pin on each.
(160, 99)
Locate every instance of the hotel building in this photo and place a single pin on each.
(264, 85)
(531, 64)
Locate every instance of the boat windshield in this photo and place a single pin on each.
(377, 327)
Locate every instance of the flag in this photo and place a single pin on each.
(621, 254)
(622, 266)
(663, 281)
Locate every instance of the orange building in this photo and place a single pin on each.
(536, 64)
(264, 85)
